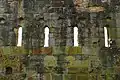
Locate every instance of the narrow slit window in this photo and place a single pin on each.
(106, 37)
(19, 43)
(75, 36)
(46, 40)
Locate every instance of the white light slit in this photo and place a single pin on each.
(46, 40)
(75, 36)
(19, 37)
(106, 37)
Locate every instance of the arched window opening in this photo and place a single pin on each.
(21, 18)
(46, 40)
(2, 20)
(75, 36)
(8, 70)
(19, 43)
(106, 37)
